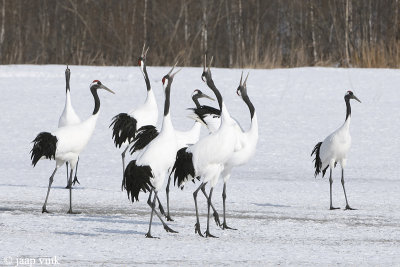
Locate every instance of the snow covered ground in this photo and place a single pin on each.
(280, 210)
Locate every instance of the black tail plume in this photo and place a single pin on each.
(183, 168)
(44, 145)
(124, 128)
(143, 137)
(136, 178)
(317, 160)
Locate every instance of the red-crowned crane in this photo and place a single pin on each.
(207, 157)
(248, 141)
(147, 172)
(334, 149)
(69, 117)
(184, 138)
(125, 125)
(66, 143)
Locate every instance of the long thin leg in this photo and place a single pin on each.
(70, 193)
(224, 226)
(167, 191)
(152, 204)
(197, 225)
(68, 185)
(48, 190)
(344, 190)
(160, 206)
(330, 186)
(76, 173)
(208, 214)
(166, 227)
(215, 213)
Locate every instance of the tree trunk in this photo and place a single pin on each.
(229, 33)
(314, 44)
(346, 35)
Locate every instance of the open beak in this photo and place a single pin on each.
(105, 88)
(356, 98)
(206, 96)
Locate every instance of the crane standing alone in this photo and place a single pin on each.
(334, 149)
(66, 143)
(69, 117)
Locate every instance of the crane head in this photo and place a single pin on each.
(142, 58)
(168, 78)
(206, 75)
(242, 88)
(199, 94)
(349, 95)
(96, 84)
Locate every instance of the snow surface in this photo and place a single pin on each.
(280, 210)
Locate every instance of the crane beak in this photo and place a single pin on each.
(105, 88)
(356, 98)
(206, 96)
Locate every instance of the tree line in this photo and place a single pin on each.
(238, 33)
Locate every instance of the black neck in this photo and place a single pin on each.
(67, 83)
(96, 100)
(196, 101)
(146, 77)
(167, 98)
(348, 107)
(246, 100)
(212, 86)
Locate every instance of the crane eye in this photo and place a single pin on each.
(163, 80)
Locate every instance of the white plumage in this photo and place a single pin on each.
(125, 125)
(148, 171)
(334, 149)
(248, 143)
(68, 117)
(207, 157)
(66, 143)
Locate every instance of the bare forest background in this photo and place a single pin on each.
(238, 33)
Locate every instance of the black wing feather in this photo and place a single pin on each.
(136, 178)
(44, 145)
(124, 128)
(183, 167)
(143, 137)
(317, 160)
(203, 111)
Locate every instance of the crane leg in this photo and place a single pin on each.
(70, 193)
(68, 185)
(224, 226)
(207, 233)
(160, 206)
(215, 213)
(76, 173)
(167, 191)
(48, 190)
(344, 190)
(197, 225)
(153, 205)
(330, 186)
